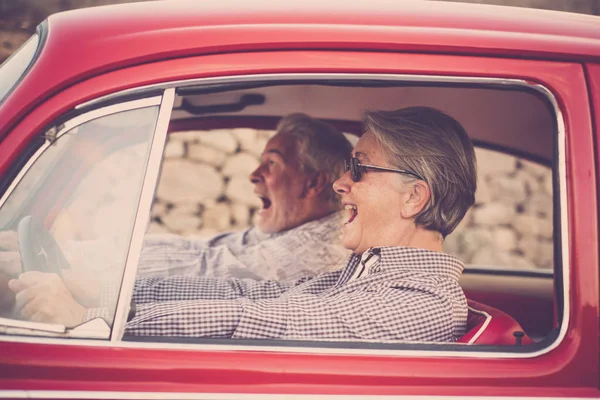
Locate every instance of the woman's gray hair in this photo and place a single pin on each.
(437, 148)
(321, 148)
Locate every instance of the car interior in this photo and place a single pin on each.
(515, 300)
(517, 121)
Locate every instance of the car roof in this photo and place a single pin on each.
(430, 25)
(90, 41)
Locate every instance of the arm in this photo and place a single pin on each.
(360, 315)
(180, 288)
(169, 255)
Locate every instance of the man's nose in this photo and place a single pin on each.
(342, 184)
(256, 176)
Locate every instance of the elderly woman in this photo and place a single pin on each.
(408, 185)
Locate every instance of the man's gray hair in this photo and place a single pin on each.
(436, 147)
(321, 148)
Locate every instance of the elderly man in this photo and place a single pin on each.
(297, 231)
(410, 182)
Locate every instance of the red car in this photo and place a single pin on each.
(99, 100)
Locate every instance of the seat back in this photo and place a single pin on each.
(488, 325)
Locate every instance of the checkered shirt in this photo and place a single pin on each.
(401, 294)
(306, 250)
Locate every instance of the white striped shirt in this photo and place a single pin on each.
(309, 249)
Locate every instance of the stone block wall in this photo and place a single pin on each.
(204, 189)
(511, 222)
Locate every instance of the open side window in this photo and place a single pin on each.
(91, 185)
(73, 208)
(507, 240)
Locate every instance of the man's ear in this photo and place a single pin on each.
(316, 183)
(415, 199)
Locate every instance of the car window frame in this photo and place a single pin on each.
(336, 347)
(328, 348)
(165, 104)
(41, 34)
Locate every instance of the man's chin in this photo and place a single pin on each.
(264, 225)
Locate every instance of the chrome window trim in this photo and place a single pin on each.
(109, 395)
(41, 33)
(561, 149)
(143, 213)
(72, 123)
(506, 271)
(310, 76)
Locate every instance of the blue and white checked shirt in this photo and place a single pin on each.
(389, 294)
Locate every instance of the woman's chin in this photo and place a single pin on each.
(348, 242)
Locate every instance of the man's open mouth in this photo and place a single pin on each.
(351, 211)
(266, 202)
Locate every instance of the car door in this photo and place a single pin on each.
(227, 368)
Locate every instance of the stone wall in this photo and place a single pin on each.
(204, 189)
(511, 221)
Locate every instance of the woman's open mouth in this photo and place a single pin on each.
(351, 211)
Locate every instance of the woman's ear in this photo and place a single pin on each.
(415, 199)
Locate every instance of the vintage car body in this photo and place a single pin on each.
(93, 58)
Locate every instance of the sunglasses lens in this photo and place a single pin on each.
(355, 169)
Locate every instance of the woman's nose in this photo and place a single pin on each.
(342, 184)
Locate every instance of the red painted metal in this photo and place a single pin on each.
(572, 369)
(93, 52)
(86, 42)
(269, 62)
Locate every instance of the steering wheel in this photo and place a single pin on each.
(39, 249)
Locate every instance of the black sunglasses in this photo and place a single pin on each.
(356, 169)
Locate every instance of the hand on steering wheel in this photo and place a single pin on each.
(39, 250)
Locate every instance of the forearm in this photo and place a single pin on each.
(196, 318)
(167, 255)
(105, 306)
(357, 316)
(303, 317)
(180, 288)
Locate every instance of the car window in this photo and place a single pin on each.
(205, 192)
(205, 209)
(510, 225)
(73, 210)
(204, 187)
(208, 206)
(508, 228)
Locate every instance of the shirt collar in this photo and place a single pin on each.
(414, 259)
(325, 223)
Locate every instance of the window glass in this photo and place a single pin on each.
(210, 212)
(13, 69)
(74, 209)
(204, 187)
(223, 199)
(510, 225)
